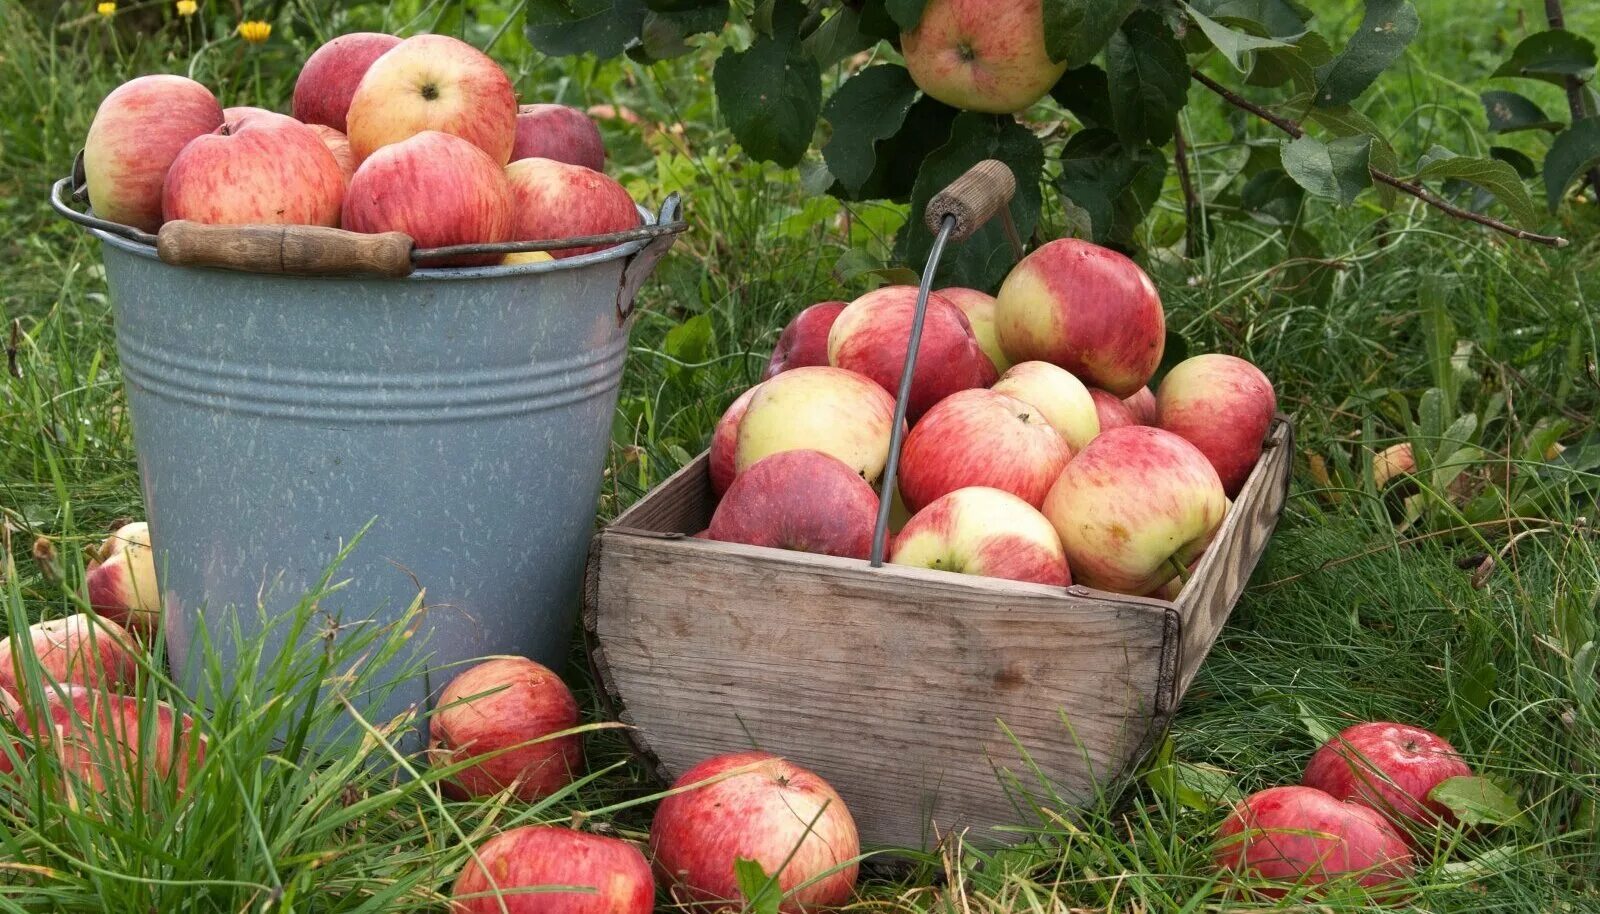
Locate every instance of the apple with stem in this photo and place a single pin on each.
(1389, 767)
(1061, 398)
(981, 56)
(981, 438)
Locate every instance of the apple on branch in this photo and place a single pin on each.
(980, 55)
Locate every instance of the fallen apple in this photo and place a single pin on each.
(986, 532)
(103, 739)
(137, 132)
(1391, 768)
(981, 438)
(802, 500)
(1300, 837)
(505, 713)
(79, 649)
(122, 586)
(612, 875)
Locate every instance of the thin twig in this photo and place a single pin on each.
(1410, 187)
(1558, 20)
(1194, 238)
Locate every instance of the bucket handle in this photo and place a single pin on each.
(643, 262)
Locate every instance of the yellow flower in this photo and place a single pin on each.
(186, 8)
(106, 9)
(254, 30)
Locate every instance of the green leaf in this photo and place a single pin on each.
(761, 892)
(1234, 44)
(604, 28)
(1320, 732)
(1386, 29)
(906, 13)
(1277, 18)
(1086, 93)
(839, 37)
(900, 158)
(983, 260)
(1551, 56)
(1114, 184)
(1575, 152)
(689, 343)
(664, 33)
(1516, 158)
(1148, 78)
(1476, 801)
(1295, 64)
(869, 107)
(1347, 121)
(1077, 30)
(1497, 178)
(1273, 197)
(1336, 171)
(1509, 112)
(771, 94)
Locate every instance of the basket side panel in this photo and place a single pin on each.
(919, 695)
(682, 504)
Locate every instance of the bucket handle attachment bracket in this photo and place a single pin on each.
(643, 263)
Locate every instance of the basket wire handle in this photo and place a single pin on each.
(954, 214)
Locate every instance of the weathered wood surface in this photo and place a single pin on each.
(893, 682)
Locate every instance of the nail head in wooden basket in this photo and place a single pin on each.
(932, 701)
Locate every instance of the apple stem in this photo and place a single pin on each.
(1183, 573)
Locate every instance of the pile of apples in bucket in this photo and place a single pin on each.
(1036, 450)
(422, 136)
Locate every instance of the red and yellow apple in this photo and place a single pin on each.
(980, 55)
(756, 806)
(802, 500)
(979, 309)
(837, 412)
(872, 335)
(101, 738)
(560, 133)
(1133, 507)
(1086, 308)
(266, 169)
(1061, 398)
(805, 340)
(981, 438)
(433, 82)
(1287, 837)
(725, 439)
(438, 188)
(612, 875)
(1222, 405)
(986, 532)
(328, 81)
(1391, 768)
(552, 200)
(79, 649)
(137, 132)
(505, 712)
(122, 582)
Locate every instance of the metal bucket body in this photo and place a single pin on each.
(465, 414)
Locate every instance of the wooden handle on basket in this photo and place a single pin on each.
(309, 250)
(973, 199)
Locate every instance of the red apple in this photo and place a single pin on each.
(1298, 836)
(756, 806)
(505, 710)
(980, 55)
(1143, 406)
(613, 874)
(433, 82)
(339, 145)
(137, 132)
(1061, 398)
(803, 500)
(1389, 767)
(724, 439)
(100, 738)
(1086, 308)
(552, 200)
(1111, 410)
(805, 341)
(979, 309)
(1392, 462)
(560, 133)
(232, 116)
(78, 650)
(122, 583)
(1222, 405)
(1133, 507)
(837, 412)
(439, 189)
(985, 532)
(871, 336)
(267, 169)
(981, 438)
(329, 78)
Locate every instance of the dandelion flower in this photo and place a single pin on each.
(255, 31)
(187, 8)
(106, 9)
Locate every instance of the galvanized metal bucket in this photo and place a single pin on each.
(465, 414)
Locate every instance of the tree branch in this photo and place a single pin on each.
(1410, 187)
(1558, 20)
(1194, 231)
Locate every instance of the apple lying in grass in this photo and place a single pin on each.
(137, 132)
(439, 189)
(122, 584)
(266, 169)
(1390, 768)
(980, 55)
(1393, 462)
(328, 81)
(804, 341)
(1142, 405)
(1086, 308)
(1133, 507)
(985, 532)
(560, 133)
(1298, 836)
(80, 649)
(725, 439)
(1222, 405)
(1061, 398)
(981, 438)
(613, 876)
(837, 412)
(504, 712)
(551, 200)
(756, 806)
(1111, 410)
(803, 500)
(872, 335)
(339, 145)
(438, 83)
(979, 309)
(101, 738)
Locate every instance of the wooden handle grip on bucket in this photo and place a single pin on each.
(973, 199)
(307, 250)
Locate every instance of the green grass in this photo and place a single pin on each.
(1361, 608)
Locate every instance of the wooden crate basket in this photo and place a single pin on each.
(932, 701)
